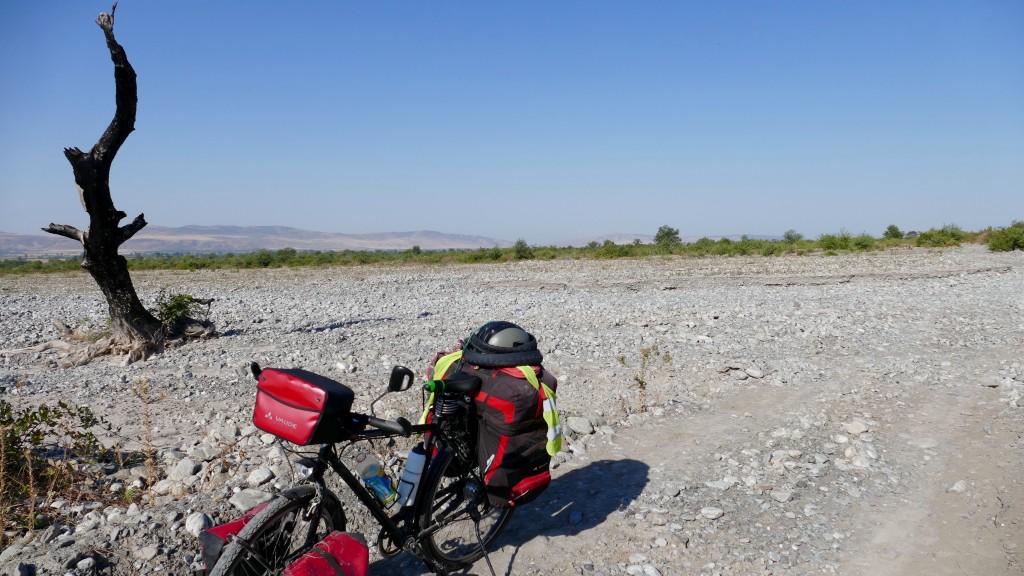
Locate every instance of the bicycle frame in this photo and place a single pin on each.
(394, 525)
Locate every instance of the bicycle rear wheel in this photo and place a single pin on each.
(284, 530)
(448, 504)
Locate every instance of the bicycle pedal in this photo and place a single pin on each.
(386, 546)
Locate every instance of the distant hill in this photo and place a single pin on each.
(239, 239)
(220, 239)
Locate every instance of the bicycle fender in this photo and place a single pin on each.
(307, 491)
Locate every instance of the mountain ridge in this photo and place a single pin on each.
(221, 239)
(207, 239)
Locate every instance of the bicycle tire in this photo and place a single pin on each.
(454, 543)
(272, 533)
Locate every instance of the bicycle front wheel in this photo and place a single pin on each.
(286, 529)
(452, 496)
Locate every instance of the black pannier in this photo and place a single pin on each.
(512, 437)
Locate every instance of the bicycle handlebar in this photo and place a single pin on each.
(399, 426)
(459, 383)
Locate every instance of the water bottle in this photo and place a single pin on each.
(372, 473)
(411, 476)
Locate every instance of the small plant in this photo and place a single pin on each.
(172, 309)
(649, 356)
(131, 495)
(38, 447)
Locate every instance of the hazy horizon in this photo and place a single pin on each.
(539, 121)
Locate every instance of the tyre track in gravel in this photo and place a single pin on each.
(598, 506)
(960, 507)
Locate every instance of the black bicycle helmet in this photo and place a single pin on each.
(501, 344)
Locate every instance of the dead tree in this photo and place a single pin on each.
(134, 329)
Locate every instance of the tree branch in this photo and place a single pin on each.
(126, 95)
(129, 230)
(66, 231)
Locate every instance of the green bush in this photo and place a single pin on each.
(792, 236)
(667, 237)
(522, 250)
(1007, 239)
(893, 233)
(173, 308)
(864, 242)
(836, 242)
(948, 235)
(612, 250)
(41, 450)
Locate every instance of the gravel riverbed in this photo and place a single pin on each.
(852, 414)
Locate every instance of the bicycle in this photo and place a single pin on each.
(447, 523)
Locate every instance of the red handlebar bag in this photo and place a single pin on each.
(301, 407)
(339, 553)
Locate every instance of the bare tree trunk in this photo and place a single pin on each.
(134, 328)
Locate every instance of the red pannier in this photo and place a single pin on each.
(301, 407)
(512, 437)
(212, 541)
(339, 553)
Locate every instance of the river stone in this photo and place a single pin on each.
(249, 498)
(856, 428)
(958, 487)
(185, 468)
(10, 552)
(204, 452)
(260, 476)
(197, 522)
(580, 425)
(711, 512)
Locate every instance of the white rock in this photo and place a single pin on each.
(855, 428)
(260, 476)
(246, 499)
(197, 522)
(580, 425)
(711, 512)
(185, 468)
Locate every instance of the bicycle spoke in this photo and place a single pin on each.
(448, 500)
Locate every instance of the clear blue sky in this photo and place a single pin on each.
(546, 121)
